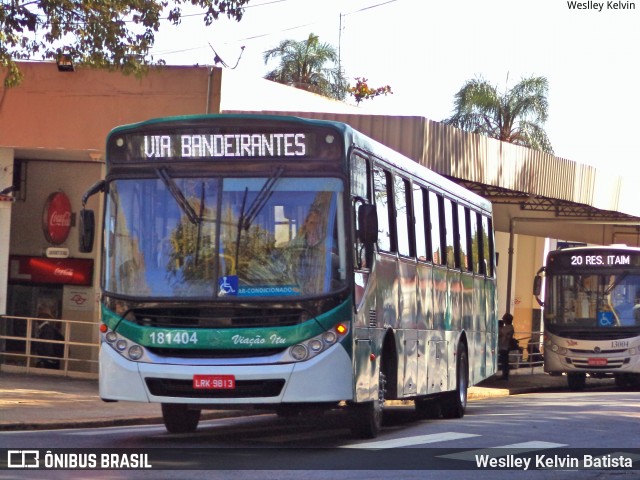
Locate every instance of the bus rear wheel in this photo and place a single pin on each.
(366, 421)
(179, 418)
(454, 403)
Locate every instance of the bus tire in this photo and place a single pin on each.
(576, 381)
(454, 403)
(366, 417)
(179, 418)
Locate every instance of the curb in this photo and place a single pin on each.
(116, 422)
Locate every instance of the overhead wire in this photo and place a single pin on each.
(288, 29)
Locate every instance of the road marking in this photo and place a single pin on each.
(409, 441)
(504, 450)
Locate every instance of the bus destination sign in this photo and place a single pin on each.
(600, 260)
(594, 259)
(196, 144)
(227, 145)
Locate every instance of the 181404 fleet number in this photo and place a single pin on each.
(174, 338)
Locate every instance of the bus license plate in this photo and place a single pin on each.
(214, 382)
(597, 362)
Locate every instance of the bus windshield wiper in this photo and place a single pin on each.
(260, 201)
(616, 281)
(244, 220)
(179, 197)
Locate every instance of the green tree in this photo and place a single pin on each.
(516, 116)
(308, 65)
(114, 34)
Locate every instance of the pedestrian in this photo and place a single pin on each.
(49, 332)
(505, 336)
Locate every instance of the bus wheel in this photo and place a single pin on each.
(576, 381)
(454, 403)
(179, 418)
(366, 420)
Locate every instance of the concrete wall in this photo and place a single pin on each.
(52, 112)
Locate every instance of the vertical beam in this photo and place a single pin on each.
(510, 265)
(6, 180)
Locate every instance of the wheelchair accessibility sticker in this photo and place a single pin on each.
(228, 285)
(606, 319)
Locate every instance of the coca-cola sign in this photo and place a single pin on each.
(66, 271)
(56, 218)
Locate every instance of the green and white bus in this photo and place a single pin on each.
(288, 264)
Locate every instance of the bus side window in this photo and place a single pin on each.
(360, 192)
(492, 252)
(466, 252)
(437, 253)
(474, 241)
(360, 175)
(487, 257)
(450, 249)
(383, 198)
(420, 213)
(402, 206)
(459, 237)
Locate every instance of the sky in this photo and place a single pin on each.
(425, 50)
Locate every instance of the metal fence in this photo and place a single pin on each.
(528, 357)
(55, 346)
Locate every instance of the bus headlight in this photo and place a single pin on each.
(329, 337)
(318, 344)
(299, 352)
(135, 352)
(559, 350)
(124, 347)
(315, 345)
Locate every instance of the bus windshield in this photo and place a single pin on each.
(224, 237)
(593, 301)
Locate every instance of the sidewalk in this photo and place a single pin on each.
(30, 402)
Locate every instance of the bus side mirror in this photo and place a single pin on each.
(87, 230)
(537, 287)
(87, 224)
(368, 224)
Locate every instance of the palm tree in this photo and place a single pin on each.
(516, 116)
(303, 65)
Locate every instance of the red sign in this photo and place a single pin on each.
(56, 218)
(597, 362)
(67, 271)
(214, 382)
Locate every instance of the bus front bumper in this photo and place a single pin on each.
(324, 378)
(595, 363)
